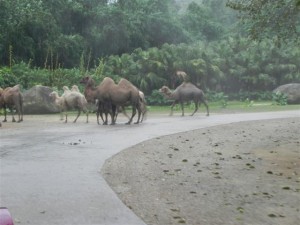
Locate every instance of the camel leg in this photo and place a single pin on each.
(78, 114)
(20, 114)
(87, 115)
(20, 110)
(116, 114)
(97, 116)
(13, 115)
(113, 114)
(99, 113)
(21, 117)
(196, 108)
(133, 114)
(182, 108)
(61, 114)
(106, 118)
(172, 106)
(139, 115)
(66, 114)
(206, 106)
(5, 120)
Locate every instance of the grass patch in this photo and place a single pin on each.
(231, 107)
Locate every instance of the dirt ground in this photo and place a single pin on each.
(241, 173)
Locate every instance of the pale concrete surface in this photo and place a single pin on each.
(50, 171)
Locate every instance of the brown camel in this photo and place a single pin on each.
(125, 93)
(96, 95)
(184, 93)
(12, 98)
(111, 95)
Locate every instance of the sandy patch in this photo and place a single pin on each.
(241, 173)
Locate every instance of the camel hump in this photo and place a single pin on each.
(126, 84)
(16, 87)
(107, 81)
(12, 90)
(188, 85)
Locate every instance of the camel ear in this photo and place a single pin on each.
(90, 81)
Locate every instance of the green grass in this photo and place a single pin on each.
(231, 107)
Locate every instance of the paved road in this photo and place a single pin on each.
(50, 171)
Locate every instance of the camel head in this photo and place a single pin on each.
(87, 81)
(165, 90)
(53, 95)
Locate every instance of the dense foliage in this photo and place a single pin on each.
(278, 20)
(56, 42)
(64, 29)
(231, 65)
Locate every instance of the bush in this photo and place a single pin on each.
(219, 97)
(7, 78)
(279, 98)
(156, 98)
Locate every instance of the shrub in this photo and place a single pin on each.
(279, 98)
(156, 98)
(7, 78)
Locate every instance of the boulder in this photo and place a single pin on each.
(37, 101)
(292, 91)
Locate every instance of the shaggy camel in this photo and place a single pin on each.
(184, 93)
(143, 107)
(12, 98)
(95, 95)
(70, 100)
(110, 96)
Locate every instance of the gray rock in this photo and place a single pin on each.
(37, 101)
(292, 91)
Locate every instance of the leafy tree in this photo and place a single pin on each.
(200, 23)
(279, 20)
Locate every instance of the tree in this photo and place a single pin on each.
(278, 20)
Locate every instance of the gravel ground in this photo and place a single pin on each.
(241, 173)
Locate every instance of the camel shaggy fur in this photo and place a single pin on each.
(111, 95)
(95, 95)
(184, 93)
(75, 88)
(70, 100)
(12, 98)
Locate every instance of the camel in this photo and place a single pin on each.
(96, 95)
(184, 93)
(125, 93)
(70, 100)
(12, 98)
(143, 107)
(111, 95)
